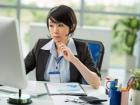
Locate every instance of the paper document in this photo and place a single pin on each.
(35, 88)
(64, 89)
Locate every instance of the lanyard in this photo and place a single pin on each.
(58, 59)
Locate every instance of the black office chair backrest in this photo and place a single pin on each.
(96, 49)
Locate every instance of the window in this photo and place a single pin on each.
(124, 6)
(8, 12)
(93, 13)
(100, 11)
(8, 2)
(51, 3)
(99, 20)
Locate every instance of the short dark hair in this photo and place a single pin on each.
(63, 14)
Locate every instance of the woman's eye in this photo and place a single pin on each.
(50, 25)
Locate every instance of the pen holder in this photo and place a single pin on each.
(124, 97)
(112, 86)
(115, 97)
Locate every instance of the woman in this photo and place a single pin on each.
(61, 53)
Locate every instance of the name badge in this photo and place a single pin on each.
(55, 76)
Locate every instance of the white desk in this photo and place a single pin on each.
(35, 87)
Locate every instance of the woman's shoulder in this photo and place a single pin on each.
(80, 42)
(42, 42)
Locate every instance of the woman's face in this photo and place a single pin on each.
(59, 31)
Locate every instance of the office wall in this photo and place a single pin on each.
(39, 30)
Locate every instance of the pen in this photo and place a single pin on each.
(39, 95)
(75, 101)
(120, 87)
(130, 82)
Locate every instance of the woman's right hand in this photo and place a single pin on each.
(67, 53)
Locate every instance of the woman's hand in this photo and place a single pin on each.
(68, 55)
(89, 76)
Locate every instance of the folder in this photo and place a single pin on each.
(65, 89)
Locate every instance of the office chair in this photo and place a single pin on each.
(96, 49)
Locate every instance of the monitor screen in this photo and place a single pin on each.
(12, 69)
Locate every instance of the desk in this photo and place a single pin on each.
(37, 86)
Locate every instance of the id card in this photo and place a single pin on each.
(55, 76)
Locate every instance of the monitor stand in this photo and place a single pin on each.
(20, 99)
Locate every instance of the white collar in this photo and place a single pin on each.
(48, 46)
(71, 45)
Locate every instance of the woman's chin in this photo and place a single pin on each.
(56, 40)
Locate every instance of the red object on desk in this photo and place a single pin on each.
(124, 96)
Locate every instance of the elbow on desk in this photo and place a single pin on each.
(97, 83)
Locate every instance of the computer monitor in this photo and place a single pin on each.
(12, 69)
